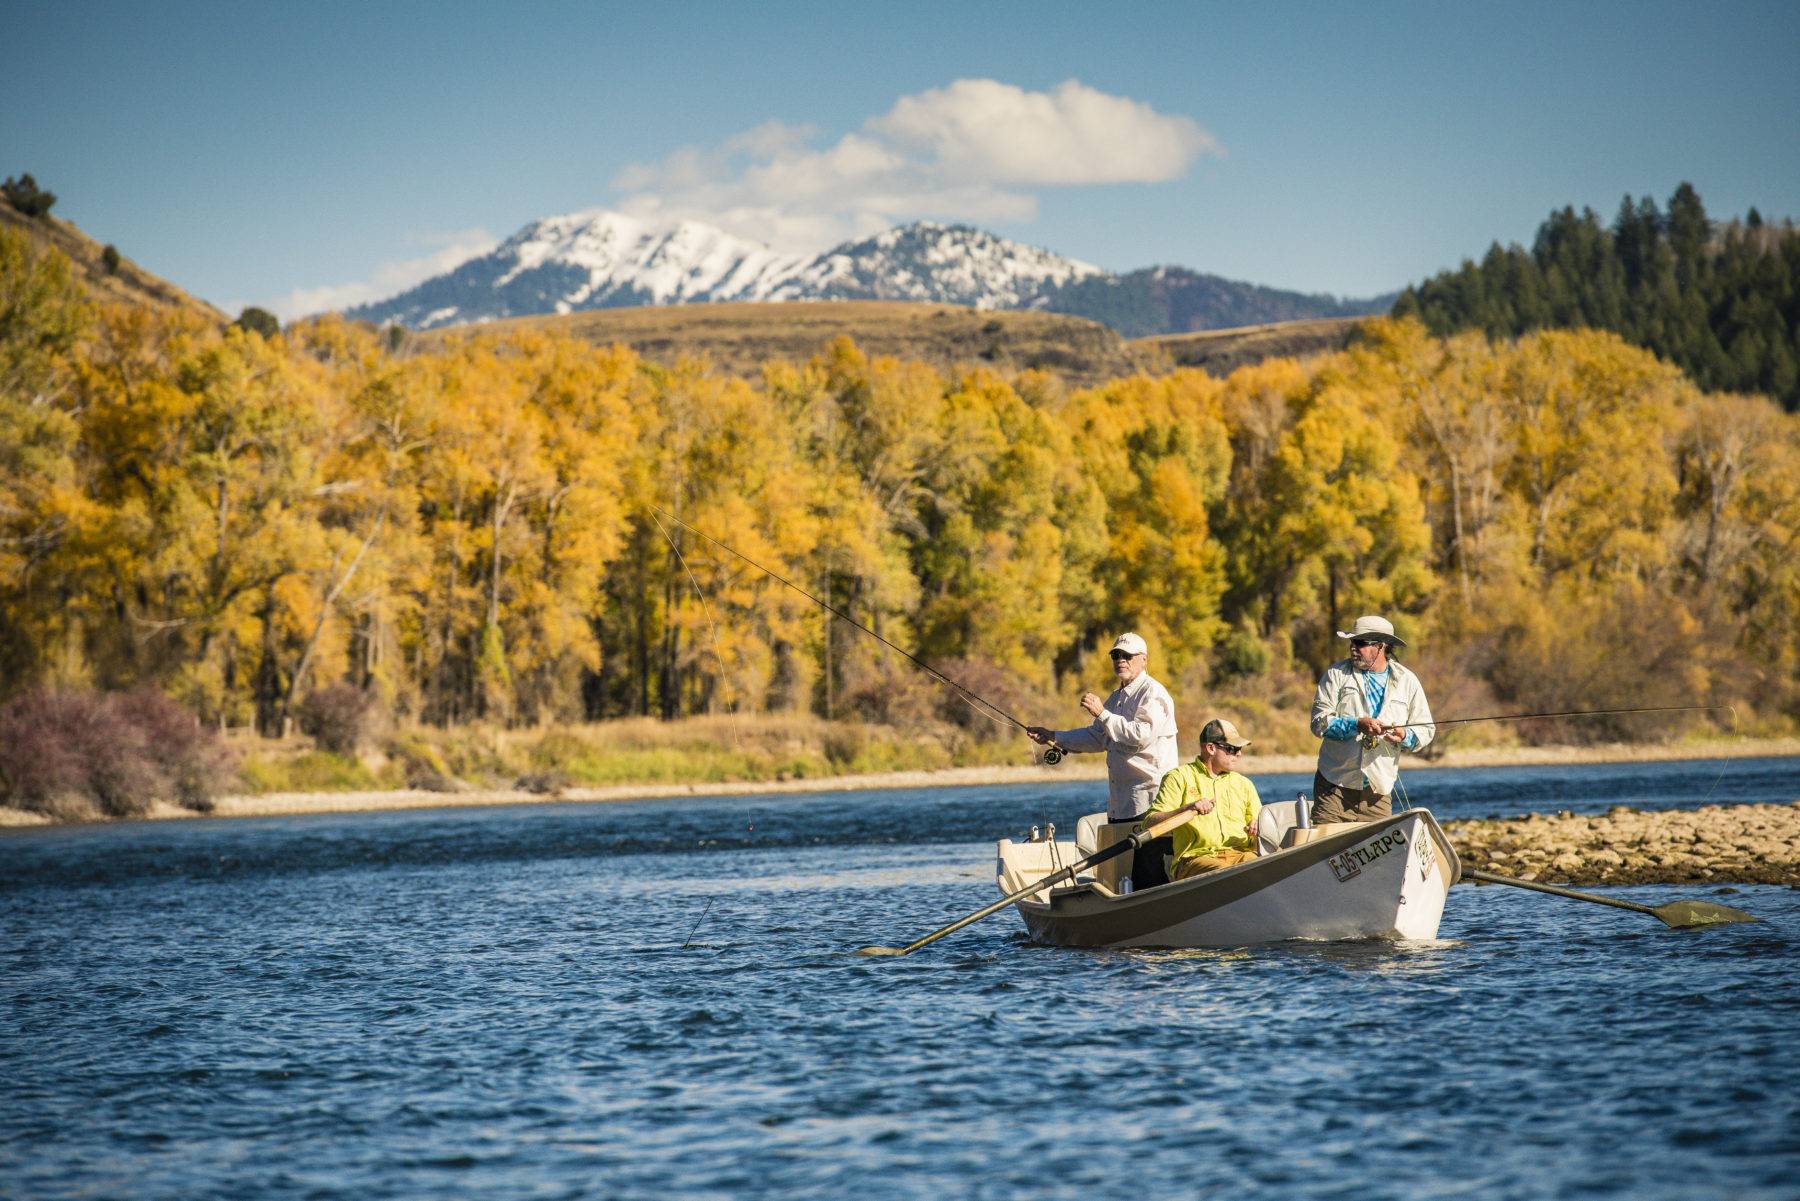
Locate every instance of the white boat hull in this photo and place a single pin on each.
(1384, 879)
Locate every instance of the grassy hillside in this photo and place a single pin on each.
(739, 338)
(1170, 300)
(130, 284)
(1219, 352)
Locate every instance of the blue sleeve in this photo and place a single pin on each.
(1343, 729)
(1411, 741)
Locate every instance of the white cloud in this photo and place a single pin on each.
(1070, 135)
(973, 150)
(389, 278)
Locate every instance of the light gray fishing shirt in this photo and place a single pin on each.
(1349, 763)
(1136, 729)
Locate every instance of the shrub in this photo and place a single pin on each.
(68, 753)
(24, 195)
(193, 762)
(335, 717)
(109, 258)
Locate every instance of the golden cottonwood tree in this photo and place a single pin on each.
(1333, 524)
(1159, 452)
(1003, 481)
(205, 456)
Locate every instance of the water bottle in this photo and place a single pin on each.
(1303, 809)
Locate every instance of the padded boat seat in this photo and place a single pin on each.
(1087, 833)
(1273, 823)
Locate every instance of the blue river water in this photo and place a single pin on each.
(658, 999)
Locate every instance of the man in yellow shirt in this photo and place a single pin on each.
(1222, 833)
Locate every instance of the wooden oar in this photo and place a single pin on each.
(1162, 825)
(1679, 914)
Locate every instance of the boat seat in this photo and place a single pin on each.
(1087, 833)
(1273, 823)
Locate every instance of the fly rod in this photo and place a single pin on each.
(1463, 721)
(1052, 755)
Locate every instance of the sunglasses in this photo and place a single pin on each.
(1360, 644)
(1229, 749)
(1121, 656)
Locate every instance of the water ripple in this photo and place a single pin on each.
(581, 1001)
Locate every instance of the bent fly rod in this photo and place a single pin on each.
(1052, 754)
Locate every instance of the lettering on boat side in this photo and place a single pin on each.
(1349, 864)
(1426, 853)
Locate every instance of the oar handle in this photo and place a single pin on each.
(1157, 829)
(1553, 890)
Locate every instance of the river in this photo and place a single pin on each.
(657, 999)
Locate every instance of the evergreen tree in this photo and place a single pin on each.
(1722, 302)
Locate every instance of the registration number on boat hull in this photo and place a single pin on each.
(1347, 865)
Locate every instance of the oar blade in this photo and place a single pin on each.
(1682, 914)
(878, 951)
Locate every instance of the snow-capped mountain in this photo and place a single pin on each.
(950, 264)
(602, 259)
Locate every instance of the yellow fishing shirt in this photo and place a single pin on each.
(1235, 804)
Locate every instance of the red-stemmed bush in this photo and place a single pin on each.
(335, 717)
(68, 753)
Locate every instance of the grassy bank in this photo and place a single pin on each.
(635, 751)
(783, 749)
(723, 756)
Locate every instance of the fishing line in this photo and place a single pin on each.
(713, 626)
(1459, 721)
(982, 706)
(690, 938)
(1463, 721)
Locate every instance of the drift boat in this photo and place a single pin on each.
(1382, 879)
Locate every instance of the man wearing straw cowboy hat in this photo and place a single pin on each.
(1367, 710)
(1135, 726)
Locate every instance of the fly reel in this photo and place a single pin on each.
(1053, 756)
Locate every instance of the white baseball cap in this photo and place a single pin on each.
(1131, 644)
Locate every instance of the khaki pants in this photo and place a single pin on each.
(1337, 803)
(1195, 865)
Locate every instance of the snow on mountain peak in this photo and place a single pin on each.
(598, 258)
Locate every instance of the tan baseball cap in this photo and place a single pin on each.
(1131, 644)
(1221, 729)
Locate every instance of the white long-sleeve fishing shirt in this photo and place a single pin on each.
(1136, 729)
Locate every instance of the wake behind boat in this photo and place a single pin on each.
(1382, 879)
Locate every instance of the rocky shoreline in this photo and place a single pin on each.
(1714, 844)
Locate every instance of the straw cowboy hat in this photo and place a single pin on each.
(1380, 629)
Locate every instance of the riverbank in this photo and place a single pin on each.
(277, 804)
(1714, 844)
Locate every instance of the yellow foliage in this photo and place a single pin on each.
(520, 528)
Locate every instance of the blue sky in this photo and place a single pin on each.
(287, 155)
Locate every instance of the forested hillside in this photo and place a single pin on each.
(1174, 300)
(468, 529)
(1721, 301)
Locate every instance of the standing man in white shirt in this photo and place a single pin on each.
(1367, 710)
(1135, 726)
